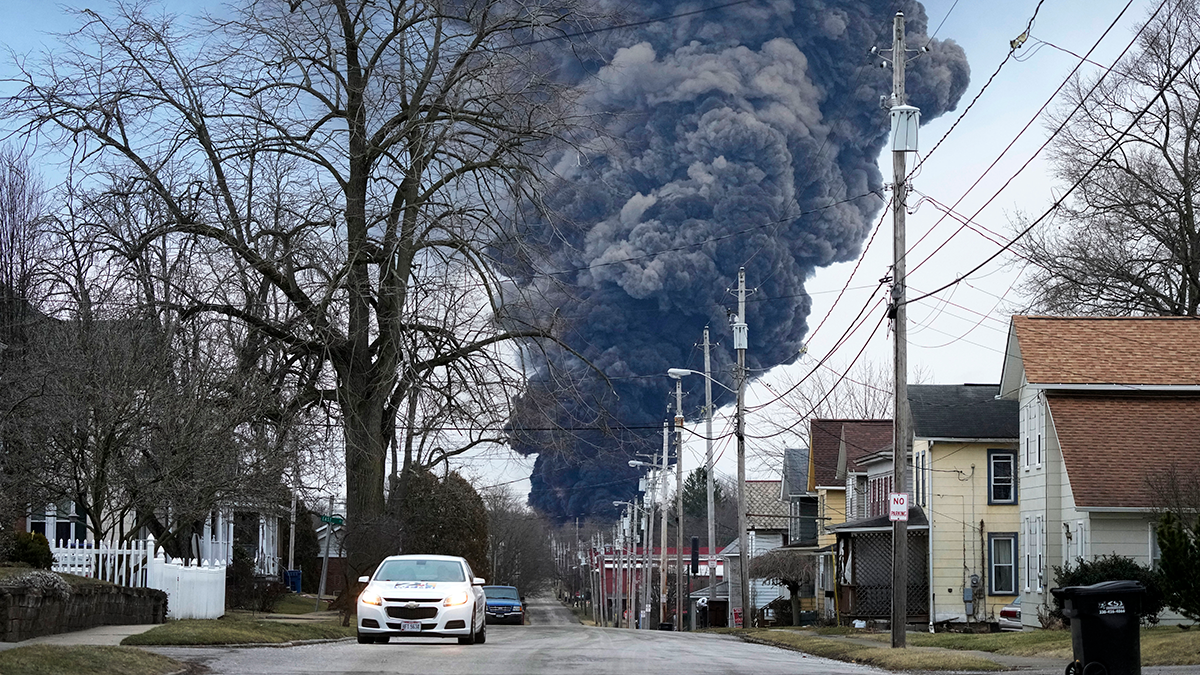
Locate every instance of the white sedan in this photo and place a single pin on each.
(422, 596)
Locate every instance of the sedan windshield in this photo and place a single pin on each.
(501, 593)
(420, 570)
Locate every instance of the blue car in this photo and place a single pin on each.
(504, 605)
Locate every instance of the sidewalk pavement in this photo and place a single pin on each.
(112, 635)
(100, 635)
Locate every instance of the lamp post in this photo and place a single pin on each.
(677, 374)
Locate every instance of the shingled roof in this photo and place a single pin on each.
(862, 437)
(766, 511)
(962, 411)
(1105, 350)
(1115, 447)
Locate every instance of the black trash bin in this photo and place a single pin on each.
(1104, 627)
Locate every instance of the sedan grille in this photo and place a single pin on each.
(412, 612)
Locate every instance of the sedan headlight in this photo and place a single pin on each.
(459, 598)
(370, 597)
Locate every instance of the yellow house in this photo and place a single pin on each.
(964, 459)
(835, 448)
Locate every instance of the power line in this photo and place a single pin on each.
(1094, 165)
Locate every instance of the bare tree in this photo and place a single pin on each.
(1127, 242)
(519, 544)
(862, 390)
(402, 133)
(22, 245)
(794, 570)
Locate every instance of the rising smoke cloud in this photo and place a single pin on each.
(745, 136)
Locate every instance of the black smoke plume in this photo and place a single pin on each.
(742, 136)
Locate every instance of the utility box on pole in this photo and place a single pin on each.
(905, 120)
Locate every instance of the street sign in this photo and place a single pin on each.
(712, 563)
(335, 519)
(897, 506)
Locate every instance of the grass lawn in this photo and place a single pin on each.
(236, 630)
(1161, 646)
(1049, 644)
(298, 604)
(914, 658)
(53, 660)
(73, 580)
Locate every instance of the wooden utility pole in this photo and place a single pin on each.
(899, 314)
(740, 340)
(679, 590)
(662, 547)
(708, 468)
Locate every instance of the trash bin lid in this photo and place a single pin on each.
(1102, 588)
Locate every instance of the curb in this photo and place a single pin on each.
(256, 645)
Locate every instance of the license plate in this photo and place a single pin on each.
(410, 626)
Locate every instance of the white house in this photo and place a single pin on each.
(1109, 407)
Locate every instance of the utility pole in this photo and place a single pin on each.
(603, 581)
(619, 546)
(325, 560)
(740, 340)
(708, 468)
(904, 125)
(292, 537)
(662, 547)
(679, 505)
(648, 558)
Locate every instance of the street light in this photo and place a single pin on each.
(677, 374)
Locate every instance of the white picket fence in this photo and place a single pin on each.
(194, 591)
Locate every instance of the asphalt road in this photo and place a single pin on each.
(553, 644)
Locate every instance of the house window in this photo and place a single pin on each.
(1002, 488)
(1002, 551)
(1023, 448)
(880, 487)
(61, 522)
(919, 479)
(1039, 426)
(1155, 552)
(1030, 436)
(1080, 540)
(1040, 538)
(1027, 531)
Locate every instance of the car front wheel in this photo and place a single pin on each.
(468, 639)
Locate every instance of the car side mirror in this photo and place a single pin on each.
(478, 581)
(364, 580)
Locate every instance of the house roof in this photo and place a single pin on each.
(1116, 447)
(965, 411)
(916, 519)
(1106, 350)
(795, 472)
(826, 436)
(765, 510)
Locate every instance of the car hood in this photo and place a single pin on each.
(418, 590)
(503, 602)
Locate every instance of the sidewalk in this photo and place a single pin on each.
(100, 635)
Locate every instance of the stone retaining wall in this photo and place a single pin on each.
(26, 614)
